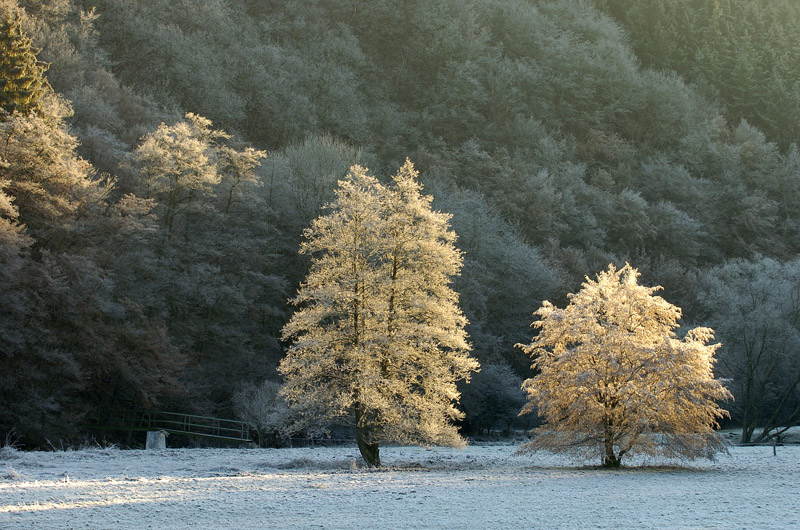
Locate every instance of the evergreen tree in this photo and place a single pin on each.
(21, 74)
(379, 340)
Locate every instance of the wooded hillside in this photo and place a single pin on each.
(152, 202)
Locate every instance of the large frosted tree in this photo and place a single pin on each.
(378, 339)
(613, 378)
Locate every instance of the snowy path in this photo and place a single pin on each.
(478, 487)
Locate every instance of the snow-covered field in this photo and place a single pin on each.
(482, 486)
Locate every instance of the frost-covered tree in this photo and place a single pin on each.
(239, 169)
(264, 410)
(308, 172)
(51, 186)
(22, 80)
(755, 307)
(614, 379)
(378, 339)
(179, 165)
(209, 271)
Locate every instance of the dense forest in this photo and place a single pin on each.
(160, 160)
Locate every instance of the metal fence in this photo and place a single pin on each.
(174, 423)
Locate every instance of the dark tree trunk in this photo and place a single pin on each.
(369, 448)
(610, 458)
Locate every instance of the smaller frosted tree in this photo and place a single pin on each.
(179, 165)
(264, 410)
(615, 380)
(755, 306)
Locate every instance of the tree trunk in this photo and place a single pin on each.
(610, 459)
(369, 449)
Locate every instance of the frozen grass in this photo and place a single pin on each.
(483, 486)
(9, 473)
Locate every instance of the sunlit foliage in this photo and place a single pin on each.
(562, 135)
(22, 81)
(378, 340)
(613, 378)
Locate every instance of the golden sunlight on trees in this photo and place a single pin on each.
(615, 380)
(22, 81)
(183, 163)
(562, 135)
(378, 339)
(177, 164)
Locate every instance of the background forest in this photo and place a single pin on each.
(151, 212)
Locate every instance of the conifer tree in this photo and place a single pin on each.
(378, 339)
(614, 379)
(22, 77)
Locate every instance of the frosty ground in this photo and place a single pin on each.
(481, 486)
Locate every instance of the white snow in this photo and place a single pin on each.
(482, 486)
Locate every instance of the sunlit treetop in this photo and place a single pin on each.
(21, 73)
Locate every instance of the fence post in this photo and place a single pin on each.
(156, 440)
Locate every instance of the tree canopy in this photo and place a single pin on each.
(613, 378)
(378, 340)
